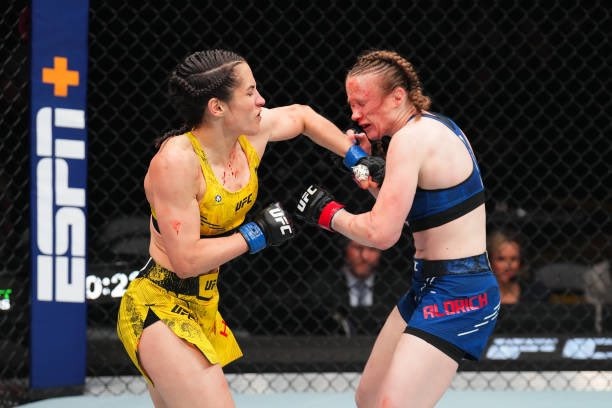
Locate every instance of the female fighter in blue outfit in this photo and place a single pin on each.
(431, 179)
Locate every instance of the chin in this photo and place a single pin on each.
(253, 130)
(372, 134)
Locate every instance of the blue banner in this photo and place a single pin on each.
(58, 160)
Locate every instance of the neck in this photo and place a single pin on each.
(508, 286)
(217, 145)
(403, 118)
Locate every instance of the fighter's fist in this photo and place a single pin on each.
(370, 166)
(317, 206)
(271, 227)
(364, 166)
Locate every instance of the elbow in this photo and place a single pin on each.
(385, 244)
(301, 109)
(383, 240)
(299, 116)
(183, 273)
(302, 113)
(184, 269)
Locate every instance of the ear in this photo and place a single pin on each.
(399, 95)
(216, 107)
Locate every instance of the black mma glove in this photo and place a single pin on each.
(356, 156)
(271, 227)
(317, 206)
(375, 166)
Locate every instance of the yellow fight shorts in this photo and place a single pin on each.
(189, 307)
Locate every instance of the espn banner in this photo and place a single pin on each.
(58, 158)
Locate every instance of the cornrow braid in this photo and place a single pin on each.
(198, 78)
(395, 71)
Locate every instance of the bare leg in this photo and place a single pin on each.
(379, 360)
(158, 402)
(182, 376)
(419, 375)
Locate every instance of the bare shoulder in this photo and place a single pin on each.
(175, 160)
(175, 151)
(415, 138)
(425, 134)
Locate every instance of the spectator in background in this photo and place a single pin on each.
(505, 256)
(359, 300)
(359, 272)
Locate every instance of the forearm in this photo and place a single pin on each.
(356, 227)
(364, 228)
(205, 255)
(189, 255)
(317, 206)
(324, 133)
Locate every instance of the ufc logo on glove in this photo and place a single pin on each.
(306, 197)
(279, 216)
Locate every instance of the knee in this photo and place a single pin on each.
(373, 398)
(363, 396)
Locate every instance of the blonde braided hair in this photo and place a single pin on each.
(394, 70)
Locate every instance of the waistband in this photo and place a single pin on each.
(169, 280)
(472, 264)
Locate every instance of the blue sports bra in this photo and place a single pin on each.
(432, 208)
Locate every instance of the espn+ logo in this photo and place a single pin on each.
(60, 207)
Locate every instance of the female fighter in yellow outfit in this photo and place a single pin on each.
(200, 185)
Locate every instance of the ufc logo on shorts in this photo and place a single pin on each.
(279, 216)
(210, 285)
(306, 197)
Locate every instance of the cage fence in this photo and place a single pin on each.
(528, 83)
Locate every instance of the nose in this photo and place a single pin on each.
(355, 115)
(260, 101)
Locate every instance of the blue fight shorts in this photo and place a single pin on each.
(453, 305)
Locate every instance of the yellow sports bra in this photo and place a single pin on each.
(221, 210)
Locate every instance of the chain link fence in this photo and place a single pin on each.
(528, 83)
(14, 202)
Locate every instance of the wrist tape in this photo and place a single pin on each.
(254, 236)
(353, 154)
(327, 214)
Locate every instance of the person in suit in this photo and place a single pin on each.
(354, 298)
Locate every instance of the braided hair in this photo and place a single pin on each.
(198, 78)
(393, 70)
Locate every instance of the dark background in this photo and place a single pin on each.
(528, 82)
